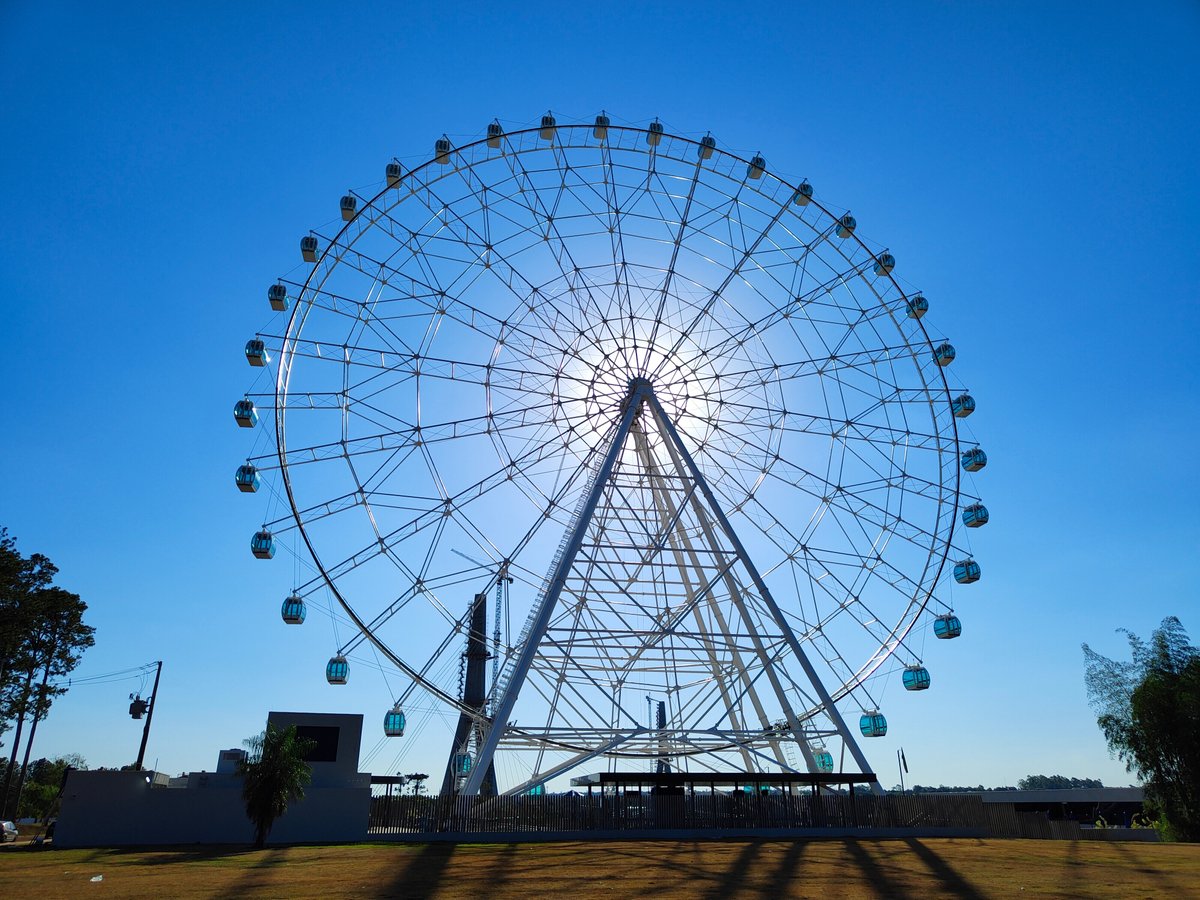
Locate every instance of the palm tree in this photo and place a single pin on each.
(274, 775)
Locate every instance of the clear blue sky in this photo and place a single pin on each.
(1032, 165)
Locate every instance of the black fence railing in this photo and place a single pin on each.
(635, 811)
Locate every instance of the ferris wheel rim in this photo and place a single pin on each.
(897, 634)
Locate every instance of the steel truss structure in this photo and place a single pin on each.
(675, 401)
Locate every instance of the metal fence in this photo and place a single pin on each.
(393, 814)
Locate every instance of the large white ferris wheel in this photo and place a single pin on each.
(619, 449)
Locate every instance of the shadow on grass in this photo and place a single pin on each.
(423, 874)
(734, 877)
(254, 874)
(953, 882)
(873, 873)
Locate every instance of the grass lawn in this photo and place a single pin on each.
(829, 870)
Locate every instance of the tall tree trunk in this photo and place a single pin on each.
(12, 761)
(37, 717)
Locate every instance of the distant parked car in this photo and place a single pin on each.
(8, 831)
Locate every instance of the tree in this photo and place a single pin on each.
(1149, 711)
(42, 639)
(1056, 783)
(40, 798)
(417, 780)
(274, 776)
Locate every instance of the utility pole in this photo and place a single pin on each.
(139, 706)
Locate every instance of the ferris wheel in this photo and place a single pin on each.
(619, 449)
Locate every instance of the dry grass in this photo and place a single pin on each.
(920, 869)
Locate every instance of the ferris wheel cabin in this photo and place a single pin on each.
(294, 610)
(247, 479)
(393, 722)
(393, 172)
(917, 306)
(758, 165)
(308, 248)
(947, 626)
(277, 297)
(803, 194)
(824, 759)
(872, 724)
(338, 670)
(262, 545)
(654, 134)
(975, 515)
(708, 144)
(974, 459)
(600, 129)
(245, 414)
(846, 225)
(943, 353)
(967, 571)
(962, 406)
(349, 206)
(494, 133)
(916, 678)
(256, 353)
(884, 264)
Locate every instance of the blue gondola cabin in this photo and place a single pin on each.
(872, 724)
(245, 414)
(262, 545)
(294, 611)
(394, 722)
(967, 571)
(916, 678)
(974, 459)
(338, 670)
(947, 627)
(247, 479)
(917, 306)
(256, 353)
(975, 515)
(277, 297)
